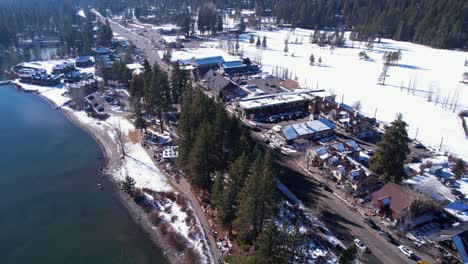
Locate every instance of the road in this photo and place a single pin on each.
(146, 45)
(345, 223)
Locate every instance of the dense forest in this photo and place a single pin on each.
(430, 22)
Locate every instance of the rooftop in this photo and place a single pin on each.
(277, 99)
(208, 61)
(295, 131)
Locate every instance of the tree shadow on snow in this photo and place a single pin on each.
(411, 67)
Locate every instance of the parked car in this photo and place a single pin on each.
(369, 152)
(407, 252)
(455, 192)
(361, 245)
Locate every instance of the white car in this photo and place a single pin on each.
(406, 251)
(360, 245)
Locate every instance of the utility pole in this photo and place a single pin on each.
(441, 141)
(375, 113)
(415, 136)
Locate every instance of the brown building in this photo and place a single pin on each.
(392, 200)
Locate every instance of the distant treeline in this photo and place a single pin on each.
(431, 22)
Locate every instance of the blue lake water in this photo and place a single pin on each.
(51, 210)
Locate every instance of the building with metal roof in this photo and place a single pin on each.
(315, 129)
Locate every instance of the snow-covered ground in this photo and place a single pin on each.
(352, 79)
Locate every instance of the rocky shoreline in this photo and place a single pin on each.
(110, 160)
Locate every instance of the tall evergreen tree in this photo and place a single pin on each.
(391, 152)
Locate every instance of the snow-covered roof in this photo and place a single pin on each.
(134, 66)
(295, 131)
(458, 209)
(276, 99)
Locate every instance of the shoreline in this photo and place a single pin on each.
(137, 214)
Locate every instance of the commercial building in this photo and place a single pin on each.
(264, 106)
(315, 129)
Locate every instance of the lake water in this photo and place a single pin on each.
(51, 210)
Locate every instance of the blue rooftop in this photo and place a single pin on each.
(84, 59)
(209, 61)
(233, 64)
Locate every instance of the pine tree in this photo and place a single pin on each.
(258, 43)
(311, 59)
(217, 192)
(270, 246)
(199, 160)
(252, 39)
(285, 49)
(185, 133)
(320, 60)
(458, 169)
(247, 221)
(264, 42)
(391, 152)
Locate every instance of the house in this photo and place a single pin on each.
(347, 118)
(83, 62)
(315, 129)
(222, 86)
(392, 200)
(38, 77)
(289, 85)
(63, 68)
(266, 106)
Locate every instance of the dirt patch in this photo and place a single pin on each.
(133, 136)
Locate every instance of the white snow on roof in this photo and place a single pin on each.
(134, 66)
(172, 39)
(275, 99)
(459, 209)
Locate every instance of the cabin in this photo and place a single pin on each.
(220, 85)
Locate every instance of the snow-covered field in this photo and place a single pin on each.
(352, 79)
